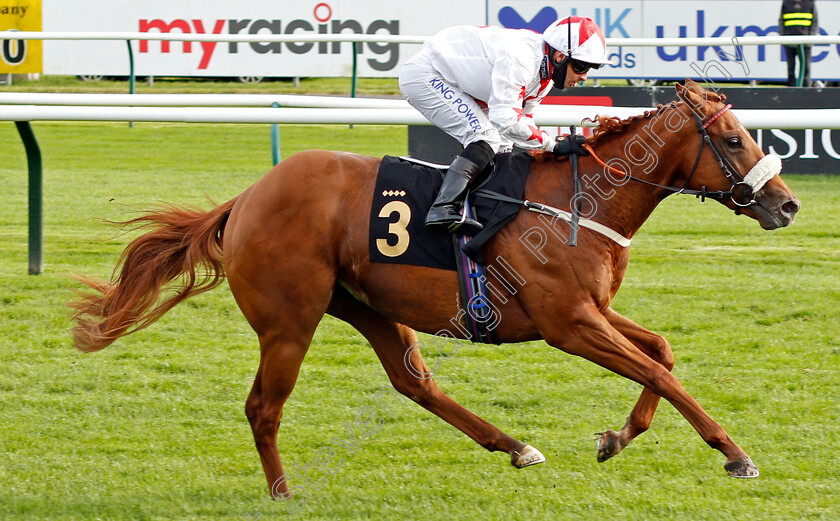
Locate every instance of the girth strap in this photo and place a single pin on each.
(575, 222)
(479, 318)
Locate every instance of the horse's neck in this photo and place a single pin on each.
(625, 205)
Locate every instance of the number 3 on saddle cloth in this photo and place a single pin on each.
(405, 190)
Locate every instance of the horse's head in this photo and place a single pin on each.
(730, 162)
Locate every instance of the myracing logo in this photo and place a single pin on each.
(322, 22)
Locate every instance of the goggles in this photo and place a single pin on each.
(581, 67)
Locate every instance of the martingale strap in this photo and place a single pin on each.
(595, 226)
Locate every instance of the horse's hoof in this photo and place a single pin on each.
(608, 445)
(741, 469)
(526, 457)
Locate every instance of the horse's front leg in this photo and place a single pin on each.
(587, 333)
(657, 348)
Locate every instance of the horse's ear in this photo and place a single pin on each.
(680, 90)
(693, 95)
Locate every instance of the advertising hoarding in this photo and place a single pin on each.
(683, 19)
(619, 19)
(305, 17)
(20, 56)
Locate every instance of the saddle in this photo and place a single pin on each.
(405, 190)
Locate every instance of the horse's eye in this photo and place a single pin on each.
(733, 142)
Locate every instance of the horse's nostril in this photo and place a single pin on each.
(790, 208)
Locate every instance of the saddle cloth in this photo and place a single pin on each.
(406, 189)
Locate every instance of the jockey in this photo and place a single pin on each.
(480, 85)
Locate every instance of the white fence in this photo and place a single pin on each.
(251, 108)
(386, 38)
(199, 100)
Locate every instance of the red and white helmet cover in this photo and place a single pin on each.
(587, 39)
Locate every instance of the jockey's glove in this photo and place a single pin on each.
(570, 144)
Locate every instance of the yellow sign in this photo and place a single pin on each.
(20, 56)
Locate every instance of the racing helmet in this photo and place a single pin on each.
(578, 38)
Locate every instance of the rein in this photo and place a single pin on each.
(702, 194)
(743, 188)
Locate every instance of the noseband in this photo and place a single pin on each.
(743, 187)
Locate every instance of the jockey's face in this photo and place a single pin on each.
(573, 78)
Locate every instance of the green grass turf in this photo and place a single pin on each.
(153, 426)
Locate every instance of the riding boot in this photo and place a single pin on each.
(445, 215)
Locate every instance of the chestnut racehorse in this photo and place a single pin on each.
(294, 246)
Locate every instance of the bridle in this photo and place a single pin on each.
(743, 188)
(740, 193)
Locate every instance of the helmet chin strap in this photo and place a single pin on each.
(559, 69)
(558, 75)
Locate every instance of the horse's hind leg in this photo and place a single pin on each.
(611, 442)
(284, 309)
(279, 366)
(391, 341)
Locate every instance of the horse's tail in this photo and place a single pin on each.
(182, 243)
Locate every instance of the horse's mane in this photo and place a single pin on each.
(608, 125)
